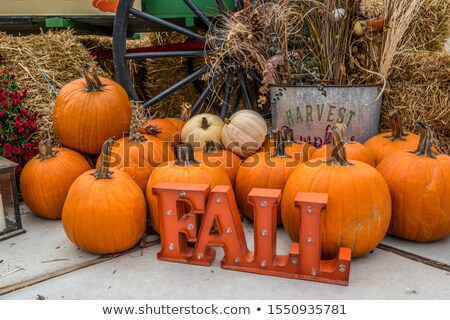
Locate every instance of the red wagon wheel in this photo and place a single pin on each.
(236, 81)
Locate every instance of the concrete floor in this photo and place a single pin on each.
(44, 249)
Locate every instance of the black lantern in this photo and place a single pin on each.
(10, 222)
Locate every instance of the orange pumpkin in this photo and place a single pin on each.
(105, 210)
(129, 155)
(163, 129)
(419, 183)
(88, 111)
(385, 144)
(46, 179)
(359, 204)
(213, 157)
(264, 170)
(184, 169)
(354, 150)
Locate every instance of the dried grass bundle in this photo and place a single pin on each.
(419, 87)
(431, 27)
(44, 63)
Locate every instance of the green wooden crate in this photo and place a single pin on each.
(167, 9)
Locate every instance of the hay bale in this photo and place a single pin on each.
(430, 28)
(419, 87)
(44, 63)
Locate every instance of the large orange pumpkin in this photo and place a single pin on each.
(214, 157)
(264, 170)
(105, 210)
(90, 110)
(359, 204)
(419, 182)
(385, 144)
(354, 150)
(46, 179)
(184, 169)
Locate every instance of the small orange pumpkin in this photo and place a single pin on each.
(163, 129)
(385, 144)
(46, 179)
(214, 157)
(105, 210)
(264, 170)
(184, 169)
(419, 183)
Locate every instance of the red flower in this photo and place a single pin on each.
(4, 81)
(1, 114)
(14, 137)
(7, 154)
(28, 145)
(17, 124)
(7, 146)
(32, 125)
(5, 104)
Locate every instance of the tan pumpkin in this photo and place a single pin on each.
(201, 128)
(244, 133)
(215, 157)
(90, 110)
(46, 179)
(419, 182)
(184, 169)
(105, 210)
(354, 149)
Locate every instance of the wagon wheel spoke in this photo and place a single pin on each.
(211, 83)
(170, 25)
(176, 86)
(227, 95)
(165, 54)
(243, 85)
(199, 13)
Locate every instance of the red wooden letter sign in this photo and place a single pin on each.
(190, 213)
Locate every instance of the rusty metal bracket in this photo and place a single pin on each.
(190, 212)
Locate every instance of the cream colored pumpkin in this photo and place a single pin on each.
(244, 132)
(201, 128)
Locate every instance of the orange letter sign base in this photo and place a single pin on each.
(190, 213)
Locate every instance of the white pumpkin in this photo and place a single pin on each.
(201, 128)
(244, 132)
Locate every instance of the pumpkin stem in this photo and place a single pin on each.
(137, 137)
(205, 124)
(93, 83)
(425, 147)
(279, 145)
(186, 109)
(338, 154)
(45, 150)
(102, 171)
(185, 155)
(152, 130)
(227, 121)
(210, 147)
(395, 121)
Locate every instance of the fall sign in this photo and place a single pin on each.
(194, 219)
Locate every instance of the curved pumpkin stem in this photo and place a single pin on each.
(338, 154)
(45, 150)
(102, 171)
(137, 137)
(343, 130)
(395, 121)
(152, 130)
(279, 145)
(185, 155)
(186, 109)
(425, 147)
(93, 83)
(210, 147)
(205, 124)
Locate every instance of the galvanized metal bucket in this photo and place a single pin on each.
(310, 112)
